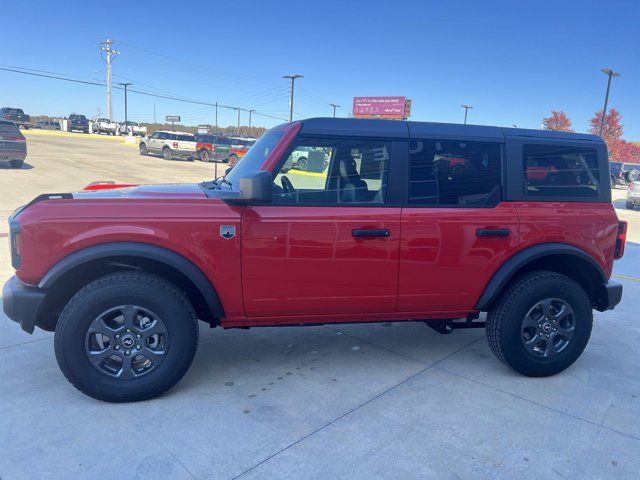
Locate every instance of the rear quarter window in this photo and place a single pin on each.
(560, 171)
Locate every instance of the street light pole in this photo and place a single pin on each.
(125, 85)
(334, 108)
(610, 73)
(293, 79)
(466, 109)
(238, 129)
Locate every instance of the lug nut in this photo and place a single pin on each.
(139, 336)
(117, 336)
(547, 335)
(128, 331)
(128, 352)
(117, 347)
(137, 347)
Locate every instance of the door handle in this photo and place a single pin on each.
(493, 232)
(374, 232)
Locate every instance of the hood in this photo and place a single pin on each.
(168, 190)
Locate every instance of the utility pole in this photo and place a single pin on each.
(238, 129)
(125, 85)
(250, 112)
(154, 112)
(466, 109)
(108, 54)
(610, 73)
(334, 108)
(293, 79)
(216, 115)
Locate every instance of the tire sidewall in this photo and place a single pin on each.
(511, 343)
(76, 318)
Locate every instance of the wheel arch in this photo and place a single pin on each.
(557, 257)
(71, 273)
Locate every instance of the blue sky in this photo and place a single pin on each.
(514, 61)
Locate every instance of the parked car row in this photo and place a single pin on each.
(109, 127)
(623, 174)
(204, 147)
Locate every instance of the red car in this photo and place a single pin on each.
(124, 276)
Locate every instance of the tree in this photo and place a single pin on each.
(611, 134)
(557, 121)
(629, 152)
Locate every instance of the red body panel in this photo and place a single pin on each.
(305, 261)
(444, 266)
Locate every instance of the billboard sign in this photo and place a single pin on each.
(172, 118)
(380, 107)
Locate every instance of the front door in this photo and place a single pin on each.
(327, 244)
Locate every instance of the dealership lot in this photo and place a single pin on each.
(345, 401)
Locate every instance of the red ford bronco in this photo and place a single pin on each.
(386, 232)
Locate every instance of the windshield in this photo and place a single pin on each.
(255, 157)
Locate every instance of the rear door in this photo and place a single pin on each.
(328, 244)
(456, 228)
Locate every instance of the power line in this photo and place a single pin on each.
(140, 92)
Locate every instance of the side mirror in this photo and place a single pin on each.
(256, 187)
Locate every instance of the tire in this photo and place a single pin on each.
(506, 324)
(629, 205)
(166, 153)
(204, 155)
(143, 149)
(233, 160)
(632, 175)
(613, 182)
(154, 298)
(303, 164)
(16, 163)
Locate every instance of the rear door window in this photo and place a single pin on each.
(454, 173)
(8, 128)
(560, 171)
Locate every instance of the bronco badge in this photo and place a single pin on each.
(227, 231)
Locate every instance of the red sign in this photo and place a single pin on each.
(379, 107)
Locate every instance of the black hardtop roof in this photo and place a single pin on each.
(404, 129)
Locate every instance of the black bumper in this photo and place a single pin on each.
(611, 295)
(21, 303)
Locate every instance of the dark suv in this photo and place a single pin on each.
(17, 116)
(390, 230)
(622, 174)
(77, 122)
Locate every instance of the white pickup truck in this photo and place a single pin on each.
(104, 125)
(170, 145)
(132, 128)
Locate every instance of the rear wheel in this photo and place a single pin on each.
(166, 153)
(204, 155)
(16, 163)
(125, 337)
(541, 324)
(629, 205)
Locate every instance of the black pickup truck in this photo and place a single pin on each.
(77, 122)
(16, 115)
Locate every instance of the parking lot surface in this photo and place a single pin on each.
(321, 402)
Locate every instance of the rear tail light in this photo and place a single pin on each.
(621, 239)
(632, 186)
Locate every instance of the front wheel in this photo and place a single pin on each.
(143, 149)
(126, 337)
(204, 155)
(302, 164)
(629, 205)
(541, 324)
(16, 163)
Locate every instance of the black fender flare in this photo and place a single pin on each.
(141, 250)
(510, 268)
